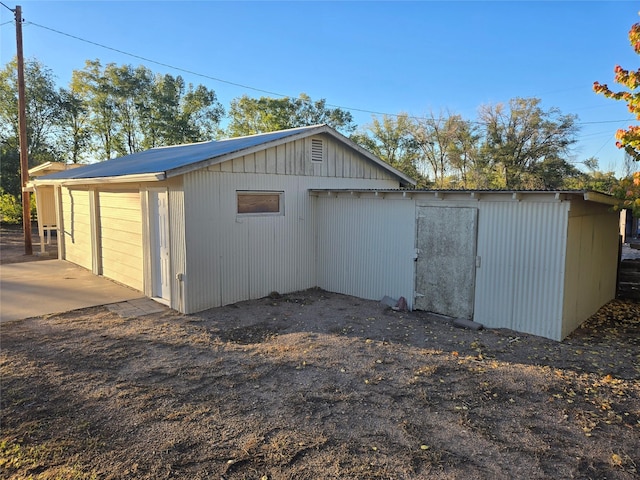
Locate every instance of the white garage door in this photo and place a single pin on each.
(120, 237)
(77, 227)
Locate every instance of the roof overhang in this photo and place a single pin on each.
(477, 195)
(140, 178)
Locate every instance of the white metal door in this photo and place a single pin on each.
(160, 253)
(446, 264)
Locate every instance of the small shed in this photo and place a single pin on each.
(209, 224)
(537, 262)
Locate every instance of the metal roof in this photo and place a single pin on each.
(163, 162)
(165, 159)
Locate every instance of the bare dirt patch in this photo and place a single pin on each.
(315, 385)
(12, 245)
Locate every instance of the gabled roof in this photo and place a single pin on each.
(165, 162)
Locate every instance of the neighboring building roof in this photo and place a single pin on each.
(165, 162)
(47, 168)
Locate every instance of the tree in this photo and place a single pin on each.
(518, 137)
(439, 140)
(628, 139)
(131, 109)
(43, 112)
(390, 138)
(249, 116)
(96, 90)
(74, 138)
(464, 157)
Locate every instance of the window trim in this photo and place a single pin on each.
(258, 193)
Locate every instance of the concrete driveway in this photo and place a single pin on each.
(52, 286)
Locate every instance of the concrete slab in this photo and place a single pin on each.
(53, 286)
(136, 308)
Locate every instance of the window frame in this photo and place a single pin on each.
(258, 193)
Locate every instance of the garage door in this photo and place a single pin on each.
(120, 237)
(77, 227)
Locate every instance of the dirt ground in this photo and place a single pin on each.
(316, 385)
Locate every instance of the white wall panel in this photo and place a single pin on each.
(232, 258)
(519, 285)
(366, 246)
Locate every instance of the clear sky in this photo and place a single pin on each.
(366, 56)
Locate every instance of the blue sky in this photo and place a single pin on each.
(388, 57)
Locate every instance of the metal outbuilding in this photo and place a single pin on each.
(209, 224)
(534, 262)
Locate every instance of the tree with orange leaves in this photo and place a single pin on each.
(628, 139)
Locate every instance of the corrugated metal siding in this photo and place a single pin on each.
(519, 285)
(177, 242)
(591, 265)
(76, 213)
(366, 246)
(232, 258)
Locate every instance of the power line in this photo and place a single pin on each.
(10, 9)
(156, 62)
(248, 87)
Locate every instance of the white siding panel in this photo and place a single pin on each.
(76, 213)
(177, 242)
(519, 284)
(232, 258)
(366, 246)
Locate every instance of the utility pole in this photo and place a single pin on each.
(22, 124)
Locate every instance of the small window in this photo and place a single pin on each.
(317, 150)
(260, 203)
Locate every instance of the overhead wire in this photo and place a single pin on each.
(8, 8)
(248, 87)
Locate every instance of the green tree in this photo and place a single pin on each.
(75, 136)
(464, 157)
(96, 89)
(249, 116)
(131, 109)
(552, 173)
(177, 113)
(390, 138)
(43, 112)
(439, 140)
(520, 136)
